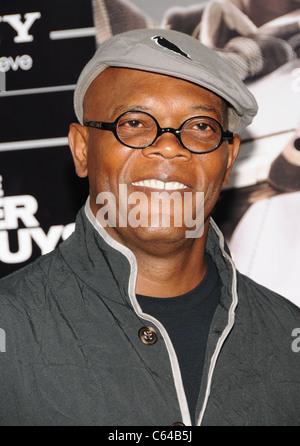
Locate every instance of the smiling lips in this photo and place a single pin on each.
(161, 185)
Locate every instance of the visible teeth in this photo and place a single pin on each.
(174, 185)
(157, 184)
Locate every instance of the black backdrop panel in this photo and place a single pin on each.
(44, 179)
(43, 47)
(36, 116)
(54, 61)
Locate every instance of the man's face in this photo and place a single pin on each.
(108, 163)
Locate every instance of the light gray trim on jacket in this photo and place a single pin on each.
(227, 329)
(186, 418)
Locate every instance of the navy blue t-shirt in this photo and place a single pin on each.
(187, 319)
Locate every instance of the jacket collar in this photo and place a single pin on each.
(110, 268)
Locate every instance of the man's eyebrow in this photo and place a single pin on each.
(205, 107)
(126, 107)
(116, 111)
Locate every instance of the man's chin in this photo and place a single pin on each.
(156, 239)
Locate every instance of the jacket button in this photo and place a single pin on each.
(178, 423)
(147, 335)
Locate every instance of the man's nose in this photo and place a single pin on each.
(167, 146)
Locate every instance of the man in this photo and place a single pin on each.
(132, 321)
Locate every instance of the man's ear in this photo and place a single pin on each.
(78, 145)
(234, 147)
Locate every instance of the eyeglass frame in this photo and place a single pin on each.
(112, 126)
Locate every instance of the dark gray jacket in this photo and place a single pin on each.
(73, 355)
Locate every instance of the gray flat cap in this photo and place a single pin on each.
(174, 54)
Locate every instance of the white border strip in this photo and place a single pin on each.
(33, 144)
(72, 33)
(38, 90)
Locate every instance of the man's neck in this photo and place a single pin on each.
(171, 273)
(166, 267)
(160, 279)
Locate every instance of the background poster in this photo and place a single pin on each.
(44, 46)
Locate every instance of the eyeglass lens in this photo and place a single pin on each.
(137, 129)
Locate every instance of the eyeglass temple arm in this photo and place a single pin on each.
(100, 125)
(227, 135)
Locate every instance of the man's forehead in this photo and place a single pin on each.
(115, 80)
(114, 75)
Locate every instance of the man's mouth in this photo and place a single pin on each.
(161, 185)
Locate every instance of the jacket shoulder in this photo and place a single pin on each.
(253, 292)
(270, 314)
(30, 284)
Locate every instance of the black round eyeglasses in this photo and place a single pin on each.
(138, 130)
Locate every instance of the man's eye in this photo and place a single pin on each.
(202, 126)
(133, 123)
(130, 124)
